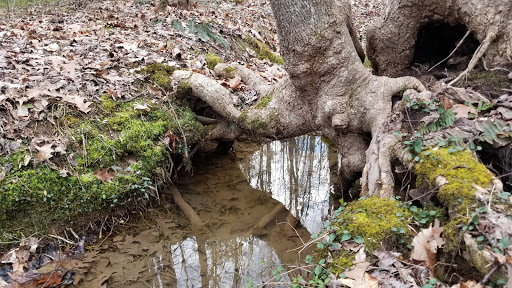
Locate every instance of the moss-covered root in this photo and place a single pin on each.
(457, 173)
(459, 177)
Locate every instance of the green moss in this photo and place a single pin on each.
(341, 263)
(377, 220)
(460, 169)
(212, 60)
(230, 71)
(159, 74)
(125, 140)
(263, 51)
(263, 102)
(108, 104)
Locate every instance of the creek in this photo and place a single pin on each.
(230, 194)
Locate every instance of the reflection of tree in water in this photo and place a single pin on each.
(222, 263)
(295, 172)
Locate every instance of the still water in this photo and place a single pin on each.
(231, 194)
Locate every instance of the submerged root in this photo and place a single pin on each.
(195, 221)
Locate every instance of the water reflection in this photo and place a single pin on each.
(161, 252)
(296, 173)
(229, 263)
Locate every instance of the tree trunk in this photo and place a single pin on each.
(328, 88)
(392, 40)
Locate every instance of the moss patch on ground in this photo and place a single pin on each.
(159, 74)
(212, 60)
(262, 50)
(122, 139)
(374, 222)
(378, 221)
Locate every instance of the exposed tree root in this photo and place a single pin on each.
(479, 53)
(196, 222)
(265, 220)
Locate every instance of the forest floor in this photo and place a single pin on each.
(57, 62)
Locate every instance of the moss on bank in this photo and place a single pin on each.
(159, 74)
(121, 139)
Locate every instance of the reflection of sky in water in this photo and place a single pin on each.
(230, 263)
(296, 173)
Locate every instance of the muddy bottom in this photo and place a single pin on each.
(231, 194)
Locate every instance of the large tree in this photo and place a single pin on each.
(328, 88)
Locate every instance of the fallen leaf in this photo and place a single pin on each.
(171, 138)
(104, 175)
(235, 82)
(447, 103)
(138, 106)
(362, 279)
(52, 280)
(63, 173)
(360, 256)
(80, 102)
(45, 152)
(462, 111)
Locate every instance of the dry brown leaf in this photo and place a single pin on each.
(418, 245)
(360, 277)
(235, 82)
(45, 152)
(447, 103)
(104, 175)
(80, 102)
(51, 280)
(170, 138)
(462, 111)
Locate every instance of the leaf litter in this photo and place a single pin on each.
(69, 58)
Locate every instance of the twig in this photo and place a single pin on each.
(457, 47)
(63, 239)
(489, 274)
(479, 53)
(293, 230)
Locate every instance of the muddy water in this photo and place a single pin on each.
(231, 194)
